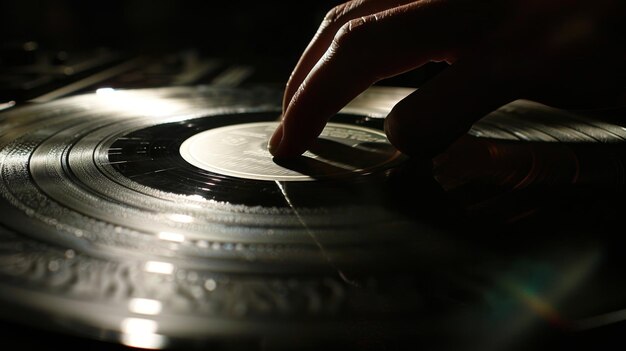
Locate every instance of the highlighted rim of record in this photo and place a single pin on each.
(240, 151)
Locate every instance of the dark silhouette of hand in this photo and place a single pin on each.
(564, 53)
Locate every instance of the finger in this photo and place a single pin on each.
(364, 51)
(332, 22)
(428, 120)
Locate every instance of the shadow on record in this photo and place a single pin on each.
(328, 159)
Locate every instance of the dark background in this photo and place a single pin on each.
(268, 35)
(222, 28)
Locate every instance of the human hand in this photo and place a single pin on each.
(564, 53)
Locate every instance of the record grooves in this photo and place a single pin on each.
(110, 230)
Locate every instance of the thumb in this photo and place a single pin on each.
(428, 120)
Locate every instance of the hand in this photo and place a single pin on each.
(564, 53)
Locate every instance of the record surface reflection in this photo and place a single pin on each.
(110, 232)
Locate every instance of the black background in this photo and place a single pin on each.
(270, 35)
(255, 31)
(223, 28)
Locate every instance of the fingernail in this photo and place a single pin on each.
(274, 142)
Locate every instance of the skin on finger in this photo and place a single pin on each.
(329, 27)
(431, 118)
(364, 51)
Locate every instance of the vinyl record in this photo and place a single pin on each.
(157, 219)
(111, 233)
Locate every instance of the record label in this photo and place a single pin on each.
(241, 151)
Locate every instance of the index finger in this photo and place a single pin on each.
(364, 51)
(334, 19)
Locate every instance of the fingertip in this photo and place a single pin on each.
(280, 147)
(285, 151)
(273, 145)
(395, 135)
(412, 137)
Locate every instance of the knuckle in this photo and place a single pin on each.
(337, 14)
(333, 15)
(341, 14)
(355, 31)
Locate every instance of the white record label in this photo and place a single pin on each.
(241, 151)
